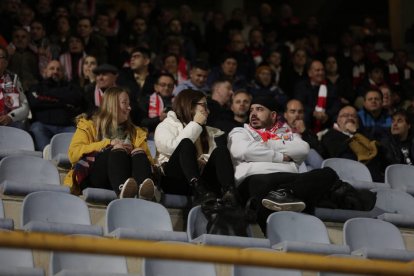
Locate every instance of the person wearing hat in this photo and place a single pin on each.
(266, 156)
(106, 76)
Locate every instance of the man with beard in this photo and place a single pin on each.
(266, 159)
(54, 104)
(343, 141)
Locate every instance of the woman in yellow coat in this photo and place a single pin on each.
(108, 151)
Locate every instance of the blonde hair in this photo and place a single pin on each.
(106, 118)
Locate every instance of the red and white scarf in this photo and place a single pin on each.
(394, 75)
(358, 74)
(156, 105)
(66, 62)
(279, 131)
(9, 93)
(321, 104)
(98, 95)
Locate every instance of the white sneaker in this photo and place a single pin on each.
(146, 189)
(129, 189)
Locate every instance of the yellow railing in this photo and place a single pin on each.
(214, 254)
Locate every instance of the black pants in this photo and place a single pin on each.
(112, 167)
(182, 167)
(309, 187)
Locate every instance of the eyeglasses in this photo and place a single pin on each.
(203, 104)
(170, 86)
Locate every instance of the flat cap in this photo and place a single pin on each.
(105, 68)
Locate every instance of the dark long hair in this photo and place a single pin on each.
(183, 106)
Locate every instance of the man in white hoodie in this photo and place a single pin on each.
(266, 156)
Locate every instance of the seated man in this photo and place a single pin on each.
(398, 145)
(54, 103)
(345, 140)
(198, 78)
(266, 159)
(14, 107)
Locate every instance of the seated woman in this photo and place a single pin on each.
(190, 160)
(108, 151)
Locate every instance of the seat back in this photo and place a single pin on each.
(10, 257)
(28, 169)
(83, 263)
(372, 233)
(292, 226)
(347, 169)
(59, 144)
(15, 138)
(55, 207)
(242, 270)
(400, 176)
(137, 213)
(196, 223)
(395, 201)
(152, 148)
(314, 159)
(177, 268)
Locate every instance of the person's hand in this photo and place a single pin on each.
(127, 147)
(299, 126)
(5, 120)
(136, 150)
(116, 141)
(350, 127)
(200, 117)
(286, 158)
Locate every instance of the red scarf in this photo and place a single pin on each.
(277, 132)
(156, 105)
(98, 95)
(320, 104)
(9, 93)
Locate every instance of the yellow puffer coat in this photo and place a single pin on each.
(85, 141)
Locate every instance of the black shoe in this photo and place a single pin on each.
(202, 196)
(282, 200)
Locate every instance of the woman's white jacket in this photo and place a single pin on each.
(171, 131)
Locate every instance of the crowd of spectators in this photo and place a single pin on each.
(57, 60)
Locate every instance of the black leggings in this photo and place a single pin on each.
(309, 187)
(182, 167)
(112, 167)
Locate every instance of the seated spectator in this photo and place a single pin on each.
(95, 44)
(227, 70)
(118, 148)
(245, 62)
(263, 85)
(374, 80)
(219, 103)
(347, 140)
(54, 104)
(40, 44)
(320, 100)
(89, 63)
(294, 72)
(266, 160)
(159, 103)
(14, 107)
(190, 161)
(198, 78)
(23, 61)
(373, 117)
(398, 72)
(71, 60)
(170, 65)
(274, 60)
(240, 104)
(294, 117)
(337, 81)
(138, 78)
(398, 145)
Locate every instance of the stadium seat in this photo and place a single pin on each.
(18, 262)
(391, 205)
(153, 149)
(57, 212)
(14, 141)
(62, 263)
(353, 172)
(5, 223)
(154, 267)
(132, 218)
(59, 145)
(23, 174)
(296, 232)
(98, 195)
(243, 270)
(400, 177)
(197, 229)
(376, 239)
(313, 160)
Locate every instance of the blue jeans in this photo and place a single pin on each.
(43, 133)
